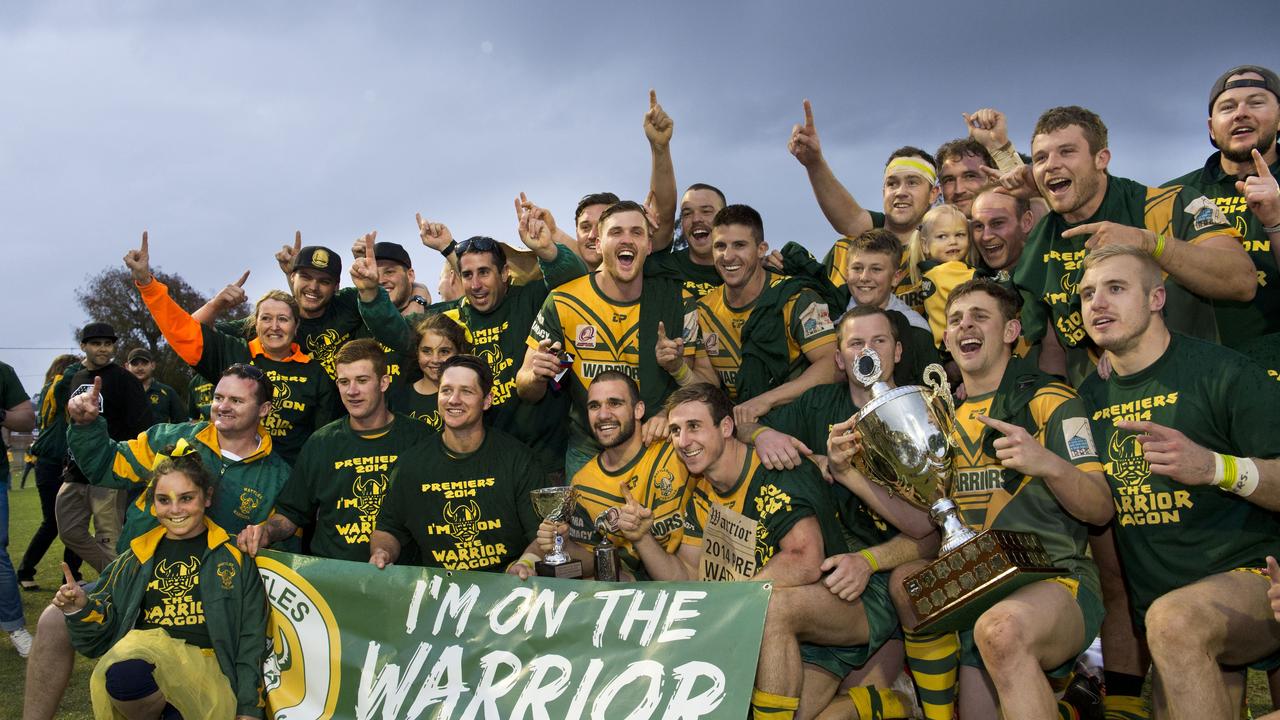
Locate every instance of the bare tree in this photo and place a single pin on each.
(111, 297)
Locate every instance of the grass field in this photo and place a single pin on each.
(24, 517)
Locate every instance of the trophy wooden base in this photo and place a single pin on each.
(951, 593)
(571, 569)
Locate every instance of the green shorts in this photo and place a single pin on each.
(882, 625)
(1090, 607)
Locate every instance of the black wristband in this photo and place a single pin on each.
(450, 248)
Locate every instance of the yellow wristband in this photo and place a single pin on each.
(682, 373)
(756, 434)
(1158, 250)
(871, 559)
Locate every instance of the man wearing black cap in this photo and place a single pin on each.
(166, 406)
(395, 275)
(329, 317)
(1244, 113)
(127, 412)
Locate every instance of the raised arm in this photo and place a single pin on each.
(844, 213)
(662, 176)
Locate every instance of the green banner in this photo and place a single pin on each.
(350, 641)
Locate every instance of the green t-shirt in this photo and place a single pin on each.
(776, 499)
(1238, 322)
(679, 265)
(166, 406)
(1265, 351)
(809, 419)
(11, 392)
(1049, 271)
(1170, 534)
(199, 397)
(464, 512)
(423, 408)
(172, 600)
(340, 480)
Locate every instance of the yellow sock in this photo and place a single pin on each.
(934, 660)
(767, 706)
(873, 703)
(1125, 707)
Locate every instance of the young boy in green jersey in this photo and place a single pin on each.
(1192, 463)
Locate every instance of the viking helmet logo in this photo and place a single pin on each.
(1128, 464)
(368, 491)
(175, 579)
(277, 662)
(463, 520)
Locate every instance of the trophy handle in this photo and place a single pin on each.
(939, 387)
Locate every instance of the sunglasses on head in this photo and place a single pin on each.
(247, 369)
(479, 243)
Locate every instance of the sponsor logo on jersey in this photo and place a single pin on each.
(1205, 213)
(585, 337)
(712, 344)
(1078, 437)
(815, 319)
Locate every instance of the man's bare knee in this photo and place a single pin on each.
(1176, 627)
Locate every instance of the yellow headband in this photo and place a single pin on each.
(912, 165)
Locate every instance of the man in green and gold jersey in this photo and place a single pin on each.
(1025, 461)
(764, 338)
(1187, 233)
(461, 499)
(342, 475)
(625, 471)
(598, 322)
(1244, 114)
(1183, 428)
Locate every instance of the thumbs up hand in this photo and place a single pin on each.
(634, 520)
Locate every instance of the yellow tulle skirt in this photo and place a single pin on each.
(188, 676)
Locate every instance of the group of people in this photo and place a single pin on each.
(1113, 347)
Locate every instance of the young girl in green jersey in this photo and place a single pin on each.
(179, 620)
(437, 338)
(938, 258)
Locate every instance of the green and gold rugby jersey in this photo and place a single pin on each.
(464, 512)
(1238, 322)
(776, 499)
(943, 277)
(1049, 272)
(601, 334)
(172, 600)
(340, 481)
(698, 279)
(1171, 534)
(807, 317)
(990, 496)
(658, 480)
(809, 420)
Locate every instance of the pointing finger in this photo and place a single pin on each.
(421, 225)
(297, 240)
(1000, 425)
(626, 494)
(66, 573)
(97, 386)
(144, 242)
(653, 98)
(368, 245)
(1260, 165)
(1086, 229)
(245, 276)
(808, 114)
(662, 331)
(1142, 426)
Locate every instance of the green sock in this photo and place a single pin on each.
(934, 659)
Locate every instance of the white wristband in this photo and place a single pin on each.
(1238, 476)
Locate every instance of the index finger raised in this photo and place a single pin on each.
(653, 98)
(297, 239)
(245, 276)
(1000, 425)
(71, 580)
(808, 114)
(144, 241)
(1260, 165)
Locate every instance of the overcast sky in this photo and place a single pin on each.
(223, 127)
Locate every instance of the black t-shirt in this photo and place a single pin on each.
(125, 406)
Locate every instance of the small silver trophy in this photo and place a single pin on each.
(556, 504)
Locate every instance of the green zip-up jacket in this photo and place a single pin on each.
(246, 491)
(235, 609)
